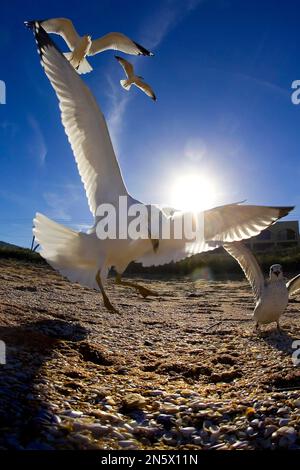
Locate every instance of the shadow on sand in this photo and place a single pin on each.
(24, 413)
(281, 340)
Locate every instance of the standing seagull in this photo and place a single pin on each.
(271, 295)
(116, 41)
(83, 257)
(133, 79)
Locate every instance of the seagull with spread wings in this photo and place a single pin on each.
(271, 295)
(133, 79)
(115, 41)
(83, 257)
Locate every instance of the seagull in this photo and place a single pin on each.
(271, 295)
(79, 52)
(133, 79)
(116, 41)
(84, 257)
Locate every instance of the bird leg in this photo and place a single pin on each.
(278, 326)
(141, 289)
(106, 300)
(256, 328)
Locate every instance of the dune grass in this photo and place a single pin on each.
(18, 253)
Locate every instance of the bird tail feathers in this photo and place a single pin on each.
(66, 250)
(84, 66)
(125, 84)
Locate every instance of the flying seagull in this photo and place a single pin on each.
(116, 41)
(133, 79)
(83, 257)
(79, 52)
(271, 295)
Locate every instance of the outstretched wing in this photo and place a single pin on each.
(293, 285)
(127, 66)
(117, 42)
(84, 124)
(219, 225)
(249, 265)
(145, 88)
(64, 27)
(235, 222)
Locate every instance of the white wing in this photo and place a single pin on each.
(235, 222)
(293, 285)
(127, 66)
(117, 42)
(249, 265)
(85, 126)
(145, 88)
(222, 224)
(64, 27)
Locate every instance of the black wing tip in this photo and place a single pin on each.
(31, 24)
(283, 211)
(42, 38)
(142, 50)
(154, 98)
(118, 57)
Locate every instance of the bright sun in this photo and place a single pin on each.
(193, 192)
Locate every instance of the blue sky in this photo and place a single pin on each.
(222, 72)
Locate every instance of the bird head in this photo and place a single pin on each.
(276, 272)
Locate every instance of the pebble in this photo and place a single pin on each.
(188, 431)
(118, 435)
(240, 445)
(168, 408)
(127, 443)
(288, 436)
(186, 392)
(269, 430)
(157, 393)
(197, 440)
(98, 430)
(128, 427)
(56, 419)
(165, 419)
(112, 418)
(145, 431)
(283, 411)
(220, 446)
(133, 401)
(73, 413)
(169, 440)
(284, 422)
(255, 422)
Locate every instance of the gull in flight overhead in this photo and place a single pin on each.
(83, 257)
(133, 79)
(79, 52)
(116, 41)
(271, 295)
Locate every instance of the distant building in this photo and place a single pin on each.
(278, 236)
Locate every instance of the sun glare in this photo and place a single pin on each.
(193, 192)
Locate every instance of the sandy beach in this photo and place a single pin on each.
(183, 370)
